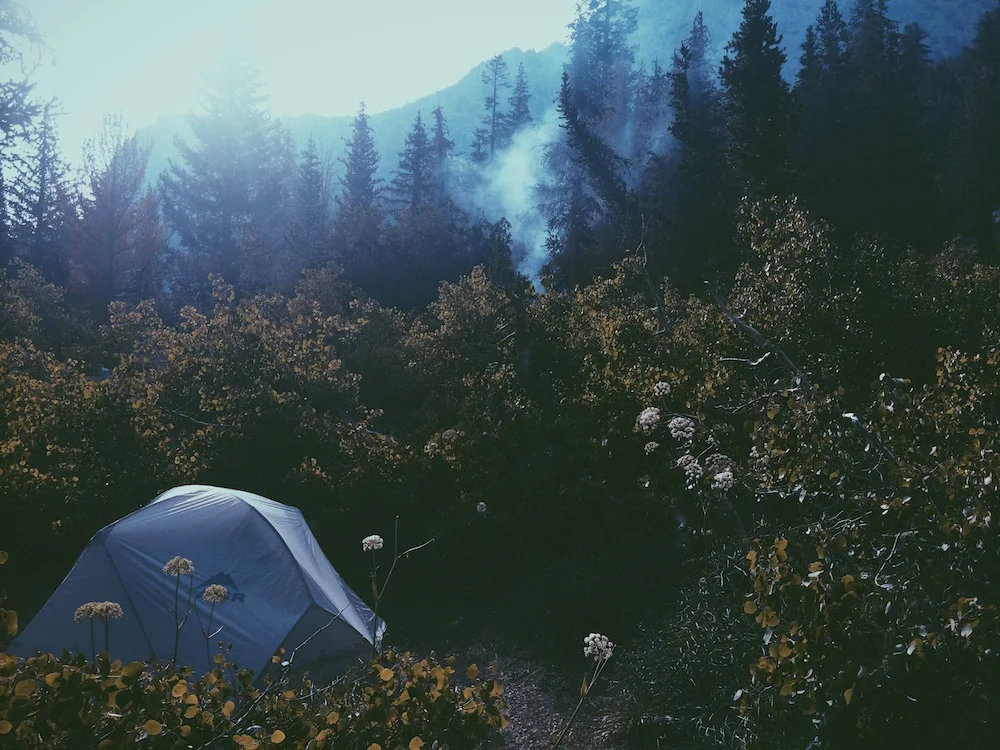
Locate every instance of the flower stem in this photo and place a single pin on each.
(375, 592)
(177, 619)
(208, 637)
(572, 718)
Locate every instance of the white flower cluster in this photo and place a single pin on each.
(481, 508)
(371, 543)
(661, 389)
(681, 428)
(651, 446)
(724, 481)
(598, 646)
(431, 448)
(648, 419)
(693, 471)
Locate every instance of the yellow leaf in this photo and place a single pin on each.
(179, 689)
(52, 678)
(787, 689)
(473, 671)
(219, 658)
(277, 737)
(152, 727)
(784, 651)
(191, 712)
(385, 674)
(191, 700)
(374, 746)
(848, 694)
(3, 559)
(332, 718)
(25, 688)
(185, 730)
(5, 726)
(772, 412)
(750, 606)
(416, 743)
(228, 708)
(321, 738)
(288, 695)
(132, 670)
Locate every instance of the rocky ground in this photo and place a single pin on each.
(540, 701)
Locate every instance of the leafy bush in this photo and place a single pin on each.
(831, 414)
(403, 701)
(400, 702)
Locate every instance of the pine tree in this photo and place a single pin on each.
(700, 74)
(309, 233)
(441, 147)
(518, 109)
(595, 105)
(42, 200)
(757, 101)
(17, 113)
(116, 241)
(818, 145)
(886, 154)
(650, 113)
(410, 190)
(688, 194)
(578, 162)
(602, 53)
(359, 219)
(692, 91)
(490, 137)
(224, 196)
(571, 241)
(970, 175)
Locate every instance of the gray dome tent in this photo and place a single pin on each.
(282, 588)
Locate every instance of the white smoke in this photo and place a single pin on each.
(506, 188)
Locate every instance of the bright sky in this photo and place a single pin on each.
(316, 56)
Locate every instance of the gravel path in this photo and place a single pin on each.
(538, 703)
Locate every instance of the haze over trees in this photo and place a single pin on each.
(700, 344)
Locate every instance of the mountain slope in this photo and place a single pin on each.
(951, 24)
(461, 103)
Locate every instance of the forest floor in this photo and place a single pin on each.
(540, 699)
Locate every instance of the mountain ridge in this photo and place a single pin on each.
(663, 24)
(460, 102)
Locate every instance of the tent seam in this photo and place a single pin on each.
(298, 567)
(259, 674)
(128, 595)
(284, 544)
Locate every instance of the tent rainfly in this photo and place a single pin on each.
(282, 589)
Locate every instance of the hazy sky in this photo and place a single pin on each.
(316, 56)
